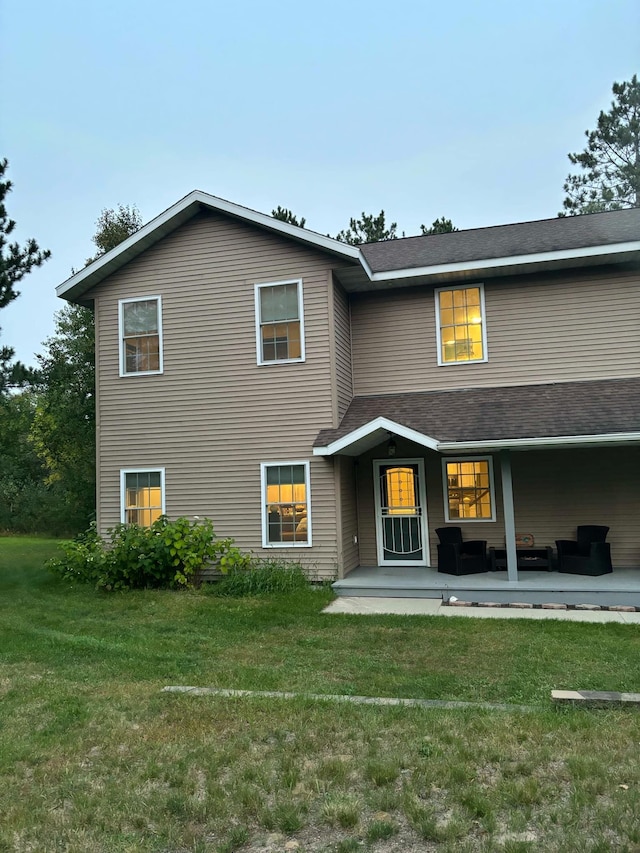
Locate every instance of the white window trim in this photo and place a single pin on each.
(445, 487)
(123, 484)
(257, 289)
(485, 352)
(121, 304)
(263, 503)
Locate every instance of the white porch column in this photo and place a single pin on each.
(509, 515)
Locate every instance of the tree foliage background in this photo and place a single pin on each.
(610, 164)
(369, 228)
(26, 503)
(286, 215)
(47, 453)
(64, 423)
(24, 499)
(15, 262)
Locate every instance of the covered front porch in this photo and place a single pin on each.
(496, 464)
(622, 586)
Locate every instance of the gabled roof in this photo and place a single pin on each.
(545, 244)
(551, 415)
(176, 215)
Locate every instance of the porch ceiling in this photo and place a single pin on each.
(603, 412)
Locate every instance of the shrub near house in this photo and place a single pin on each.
(171, 554)
(167, 554)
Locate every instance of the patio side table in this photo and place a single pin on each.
(529, 559)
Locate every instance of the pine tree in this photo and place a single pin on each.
(438, 226)
(286, 215)
(15, 262)
(368, 229)
(610, 176)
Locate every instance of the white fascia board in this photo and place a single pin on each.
(514, 260)
(146, 231)
(303, 234)
(383, 424)
(533, 443)
(365, 266)
(183, 210)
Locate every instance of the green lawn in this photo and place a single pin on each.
(93, 757)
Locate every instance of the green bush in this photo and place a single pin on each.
(166, 555)
(84, 558)
(259, 577)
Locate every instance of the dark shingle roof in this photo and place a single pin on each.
(491, 414)
(503, 241)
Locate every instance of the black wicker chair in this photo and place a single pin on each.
(589, 554)
(457, 557)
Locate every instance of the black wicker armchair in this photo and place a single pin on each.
(457, 557)
(589, 554)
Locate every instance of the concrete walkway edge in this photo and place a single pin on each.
(355, 700)
(373, 605)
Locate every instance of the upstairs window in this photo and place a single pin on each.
(279, 322)
(468, 488)
(140, 336)
(285, 505)
(460, 324)
(142, 499)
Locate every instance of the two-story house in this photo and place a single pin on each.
(336, 404)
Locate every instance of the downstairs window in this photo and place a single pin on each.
(468, 488)
(286, 518)
(142, 496)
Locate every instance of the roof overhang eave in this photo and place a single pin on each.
(547, 442)
(375, 432)
(614, 253)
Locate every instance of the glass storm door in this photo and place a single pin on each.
(400, 522)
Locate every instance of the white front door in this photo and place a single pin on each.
(401, 518)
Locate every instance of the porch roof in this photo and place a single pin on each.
(518, 417)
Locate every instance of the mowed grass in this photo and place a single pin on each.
(93, 757)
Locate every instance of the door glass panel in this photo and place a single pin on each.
(400, 491)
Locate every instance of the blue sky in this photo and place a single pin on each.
(423, 109)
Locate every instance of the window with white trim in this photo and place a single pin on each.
(279, 322)
(286, 506)
(468, 489)
(142, 496)
(460, 324)
(140, 322)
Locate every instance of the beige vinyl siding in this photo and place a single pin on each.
(342, 327)
(346, 472)
(539, 329)
(554, 491)
(214, 414)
